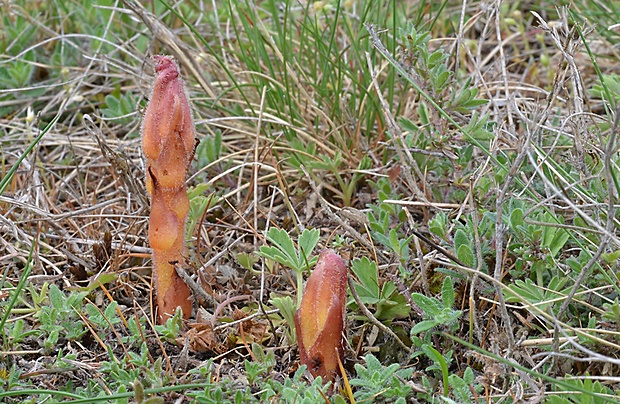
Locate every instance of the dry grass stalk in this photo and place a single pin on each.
(168, 145)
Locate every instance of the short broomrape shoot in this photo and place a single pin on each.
(168, 144)
(319, 321)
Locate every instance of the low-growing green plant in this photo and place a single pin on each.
(60, 318)
(135, 328)
(37, 296)
(387, 382)
(136, 366)
(198, 204)
(292, 389)
(16, 333)
(287, 308)
(383, 215)
(388, 302)
(437, 312)
(385, 222)
(439, 225)
(465, 235)
(541, 297)
(17, 75)
(120, 108)
(430, 68)
(462, 387)
(340, 241)
(455, 389)
(10, 378)
(610, 86)
(259, 370)
(440, 363)
(612, 311)
(539, 242)
(284, 252)
(103, 320)
(295, 390)
(596, 388)
(209, 149)
(208, 152)
(170, 329)
(335, 166)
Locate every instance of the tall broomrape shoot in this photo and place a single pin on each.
(319, 321)
(168, 145)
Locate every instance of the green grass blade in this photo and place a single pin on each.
(6, 180)
(20, 285)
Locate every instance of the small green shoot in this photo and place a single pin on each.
(436, 312)
(287, 308)
(285, 253)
